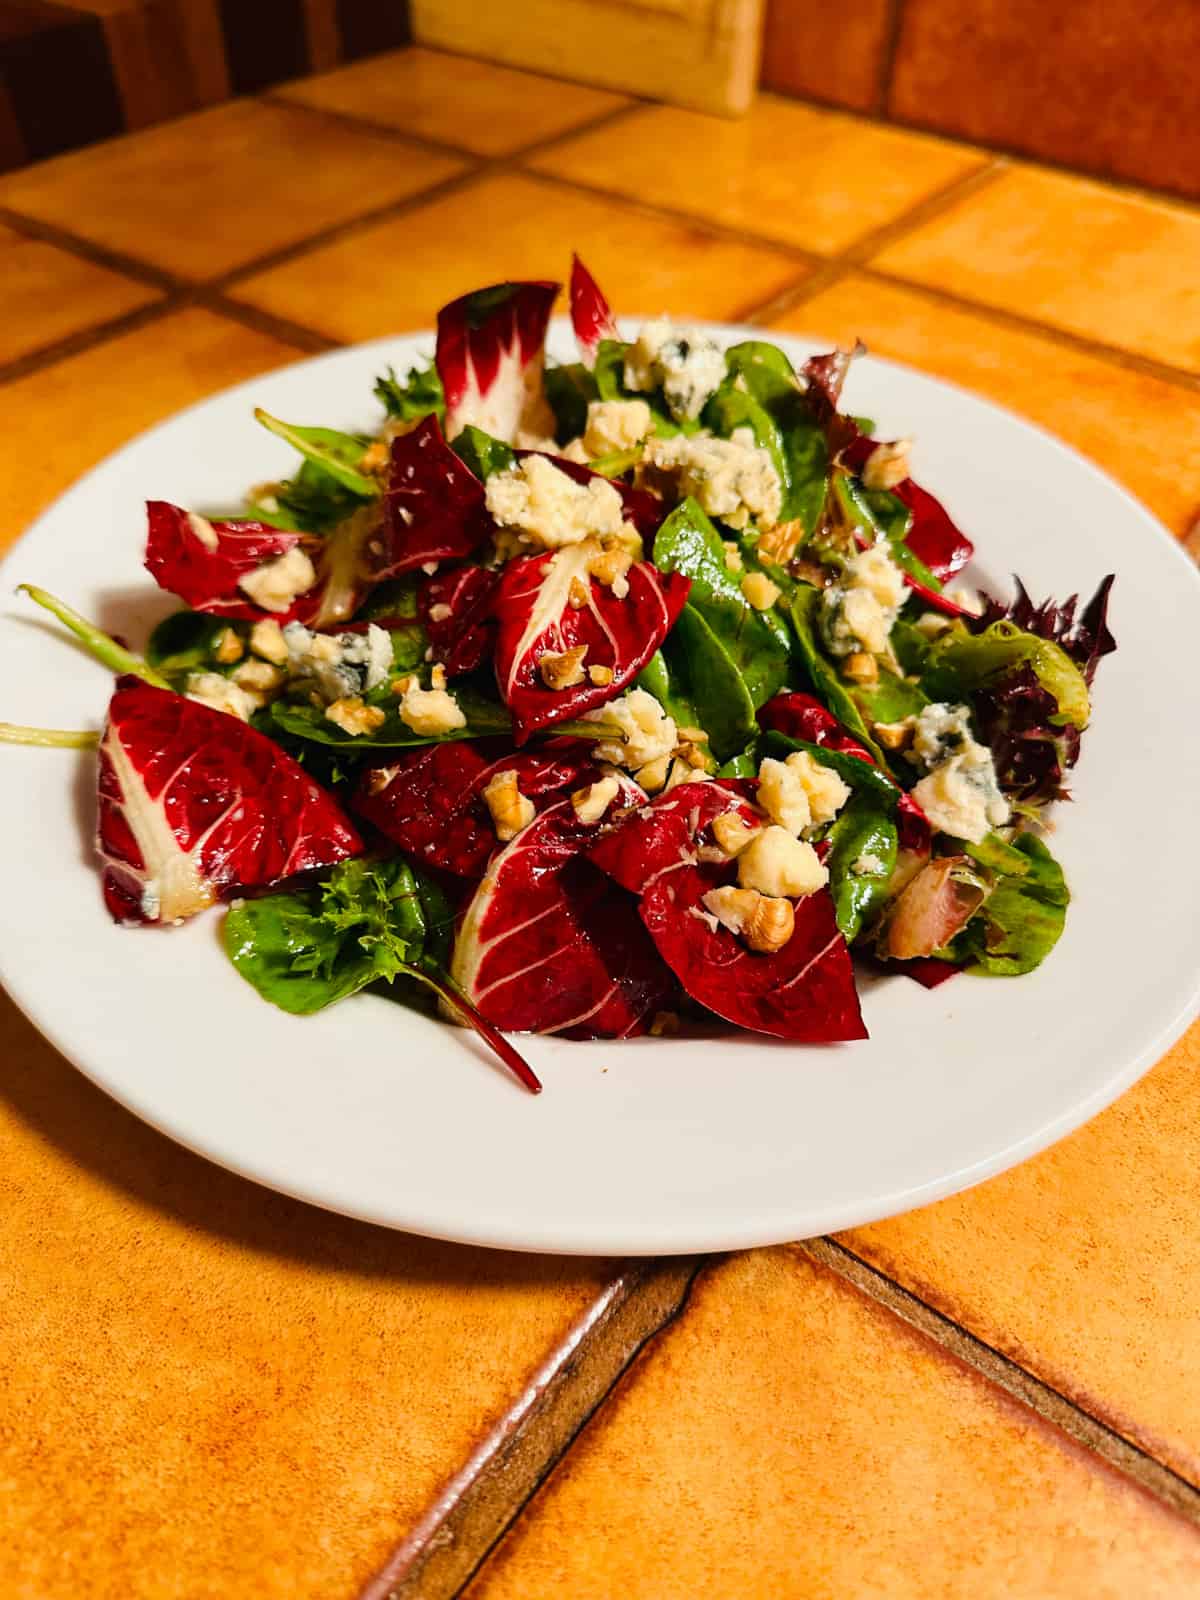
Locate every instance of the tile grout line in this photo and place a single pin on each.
(461, 1527)
(31, 227)
(887, 62)
(1018, 1382)
(76, 344)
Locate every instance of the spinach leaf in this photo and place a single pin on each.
(877, 521)
(890, 700)
(998, 856)
(1021, 920)
(336, 454)
(757, 642)
(187, 641)
(826, 684)
(570, 389)
(853, 770)
(419, 395)
(743, 765)
(909, 645)
(392, 600)
(710, 683)
(483, 454)
(368, 922)
(861, 830)
(960, 662)
(761, 373)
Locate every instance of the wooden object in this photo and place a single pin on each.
(698, 53)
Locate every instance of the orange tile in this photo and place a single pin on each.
(645, 263)
(786, 1436)
(1138, 428)
(491, 110)
(1084, 1264)
(1101, 263)
(206, 193)
(990, 72)
(142, 376)
(784, 171)
(210, 1390)
(830, 53)
(50, 294)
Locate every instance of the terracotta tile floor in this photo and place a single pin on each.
(217, 1391)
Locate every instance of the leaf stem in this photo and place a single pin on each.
(445, 987)
(59, 738)
(94, 639)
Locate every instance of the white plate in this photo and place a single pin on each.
(654, 1145)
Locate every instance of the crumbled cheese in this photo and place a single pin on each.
(933, 624)
(615, 425)
(591, 803)
(353, 717)
(686, 364)
(221, 694)
(940, 731)
(952, 804)
(275, 584)
(510, 809)
(267, 641)
(887, 465)
(851, 621)
(548, 509)
(760, 591)
(649, 732)
(336, 665)
(959, 794)
(733, 832)
(429, 711)
(826, 792)
(800, 791)
(204, 531)
(968, 599)
(867, 864)
(734, 479)
(874, 570)
(574, 450)
(777, 863)
(733, 556)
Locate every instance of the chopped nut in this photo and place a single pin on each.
(267, 641)
(353, 717)
(510, 809)
(895, 735)
(693, 756)
(600, 676)
(578, 595)
(663, 1024)
(861, 668)
(654, 774)
(764, 922)
(760, 591)
(733, 832)
(591, 803)
(375, 458)
(378, 779)
(733, 556)
(681, 772)
(887, 465)
(563, 670)
(439, 613)
(229, 647)
(779, 544)
(437, 677)
(691, 735)
(611, 561)
(258, 676)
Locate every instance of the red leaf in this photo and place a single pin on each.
(434, 507)
(463, 630)
(489, 357)
(430, 801)
(669, 832)
(195, 805)
(533, 604)
(203, 562)
(804, 992)
(591, 315)
(825, 376)
(546, 946)
(934, 538)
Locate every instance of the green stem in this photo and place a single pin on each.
(444, 986)
(94, 639)
(49, 738)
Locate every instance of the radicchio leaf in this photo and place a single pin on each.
(825, 375)
(195, 805)
(546, 946)
(537, 618)
(456, 609)
(203, 562)
(434, 509)
(670, 832)
(430, 801)
(591, 315)
(489, 357)
(1085, 641)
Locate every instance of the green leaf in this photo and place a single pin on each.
(484, 718)
(853, 770)
(743, 765)
(909, 645)
(877, 522)
(762, 372)
(394, 599)
(570, 389)
(826, 684)
(757, 642)
(483, 454)
(860, 830)
(959, 662)
(710, 683)
(335, 454)
(998, 856)
(1022, 919)
(420, 395)
(186, 642)
(890, 700)
(609, 377)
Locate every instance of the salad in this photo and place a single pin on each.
(594, 699)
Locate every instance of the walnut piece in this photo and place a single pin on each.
(563, 670)
(353, 717)
(764, 922)
(510, 809)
